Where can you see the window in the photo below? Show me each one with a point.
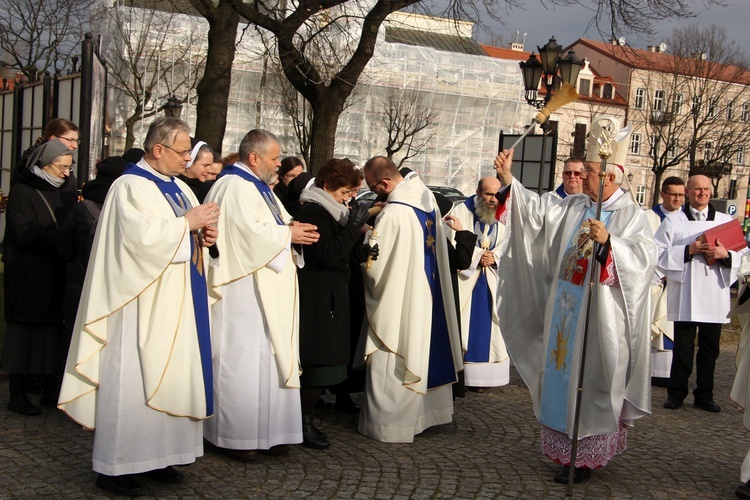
(677, 104)
(730, 110)
(584, 86)
(640, 194)
(635, 144)
(746, 112)
(732, 194)
(708, 150)
(659, 100)
(654, 150)
(741, 156)
(697, 103)
(609, 91)
(712, 108)
(640, 98)
(672, 148)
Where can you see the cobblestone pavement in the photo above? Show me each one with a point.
(490, 450)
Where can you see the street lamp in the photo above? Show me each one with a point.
(172, 108)
(553, 69)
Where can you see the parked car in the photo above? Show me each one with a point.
(451, 193)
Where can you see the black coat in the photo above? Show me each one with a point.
(324, 289)
(34, 272)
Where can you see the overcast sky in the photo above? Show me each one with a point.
(568, 24)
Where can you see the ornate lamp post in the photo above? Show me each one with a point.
(553, 69)
(172, 108)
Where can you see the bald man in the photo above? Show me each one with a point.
(697, 293)
(486, 361)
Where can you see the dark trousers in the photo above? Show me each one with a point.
(705, 360)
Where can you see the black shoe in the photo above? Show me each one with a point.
(244, 456)
(279, 450)
(166, 475)
(707, 406)
(672, 403)
(125, 485)
(22, 405)
(579, 475)
(311, 436)
(743, 491)
(345, 404)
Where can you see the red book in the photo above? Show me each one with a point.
(731, 236)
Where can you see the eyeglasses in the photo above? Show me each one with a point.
(571, 173)
(71, 140)
(372, 188)
(62, 168)
(675, 195)
(181, 154)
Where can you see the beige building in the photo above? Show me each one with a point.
(689, 115)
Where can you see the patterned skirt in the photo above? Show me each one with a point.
(593, 451)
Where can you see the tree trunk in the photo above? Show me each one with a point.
(326, 114)
(213, 90)
(658, 173)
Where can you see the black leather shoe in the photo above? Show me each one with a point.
(241, 455)
(672, 403)
(579, 475)
(743, 491)
(707, 406)
(166, 475)
(23, 406)
(311, 436)
(125, 485)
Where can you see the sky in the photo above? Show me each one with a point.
(540, 20)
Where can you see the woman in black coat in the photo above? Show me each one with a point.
(77, 236)
(34, 273)
(323, 285)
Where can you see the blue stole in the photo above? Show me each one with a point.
(480, 322)
(561, 191)
(440, 370)
(181, 204)
(265, 191)
(657, 209)
(569, 310)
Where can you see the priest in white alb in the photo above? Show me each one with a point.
(412, 346)
(139, 364)
(542, 307)
(699, 276)
(486, 361)
(254, 308)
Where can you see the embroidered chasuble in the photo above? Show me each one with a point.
(542, 281)
(568, 318)
(181, 204)
(441, 370)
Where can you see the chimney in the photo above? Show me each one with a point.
(516, 47)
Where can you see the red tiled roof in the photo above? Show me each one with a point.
(665, 63)
(501, 53)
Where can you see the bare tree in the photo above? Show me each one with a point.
(696, 105)
(409, 121)
(156, 54)
(39, 36)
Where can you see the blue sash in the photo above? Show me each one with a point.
(181, 204)
(265, 191)
(568, 312)
(480, 322)
(440, 369)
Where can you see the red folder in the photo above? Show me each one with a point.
(731, 236)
